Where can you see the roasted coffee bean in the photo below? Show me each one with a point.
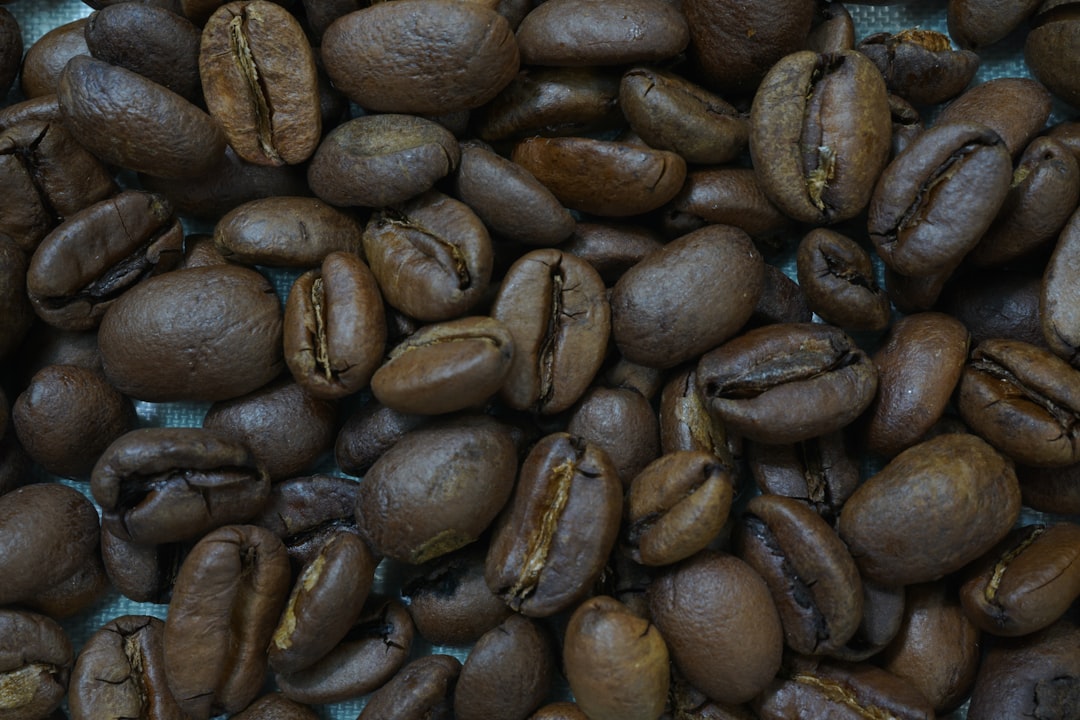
(49, 176)
(837, 277)
(1014, 108)
(44, 108)
(810, 573)
(46, 58)
(260, 82)
(918, 232)
(1059, 301)
(883, 613)
(811, 141)
(611, 249)
(553, 101)
(422, 689)
(325, 603)
(508, 673)
(35, 664)
(449, 600)
(1029, 676)
(1053, 490)
(1023, 400)
(655, 322)
(432, 257)
(437, 489)
(1052, 39)
(842, 692)
(285, 231)
(143, 573)
(551, 542)
(720, 625)
(120, 673)
(286, 430)
(575, 33)
(556, 308)
(360, 161)
(918, 366)
(445, 367)
(820, 472)
(87, 262)
(677, 505)
(687, 424)
(67, 416)
(225, 316)
(228, 597)
(275, 706)
(372, 651)
(305, 511)
(1026, 582)
(997, 304)
(48, 532)
(936, 507)
(368, 433)
(1044, 192)
(907, 124)
(161, 485)
(105, 106)
(334, 327)
(11, 50)
(785, 383)
(622, 423)
(151, 41)
(726, 196)
(976, 24)
(559, 711)
(832, 29)
(919, 65)
(616, 662)
(671, 113)
(423, 56)
(16, 312)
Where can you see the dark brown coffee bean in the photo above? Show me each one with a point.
(151, 41)
(832, 29)
(88, 261)
(44, 108)
(920, 65)
(508, 673)
(842, 692)
(1015, 108)
(671, 113)
(45, 58)
(551, 542)
(997, 304)
(727, 196)
(720, 625)
(325, 603)
(735, 43)
(810, 573)
(425, 56)
(687, 424)
(432, 257)
(1053, 490)
(936, 507)
(677, 505)
(275, 706)
(445, 367)
(918, 367)
(656, 322)
(422, 689)
(1026, 582)
(360, 161)
(372, 651)
(120, 673)
(406, 509)
(334, 327)
(907, 124)
(1023, 400)
(1030, 676)
(285, 231)
(67, 416)
(556, 308)
(1059, 301)
(553, 101)
(623, 424)
(819, 472)
(810, 137)
(976, 24)
(100, 104)
(143, 573)
(883, 613)
(1052, 39)
(228, 597)
(35, 664)
(919, 233)
(160, 485)
(11, 50)
(838, 278)
(48, 176)
(260, 82)
(611, 249)
(47, 533)
(16, 312)
(368, 433)
(304, 511)
(609, 178)
(616, 662)
(785, 383)
(286, 430)
(449, 600)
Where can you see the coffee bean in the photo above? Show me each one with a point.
(285, 231)
(35, 664)
(422, 689)
(838, 278)
(919, 65)
(508, 673)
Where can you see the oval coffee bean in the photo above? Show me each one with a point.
(819, 472)
(35, 664)
(622, 422)
(838, 278)
(260, 82)
(508, 673)
(1052, 39)
(422, 689)
(976, 24)
(285, 231)
(1059, 300)
(919, 65)
(554, 537)
(46, 58)
(1013, 107)
(789, 382)
(936, 507)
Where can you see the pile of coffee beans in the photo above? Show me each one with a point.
(699, 359)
